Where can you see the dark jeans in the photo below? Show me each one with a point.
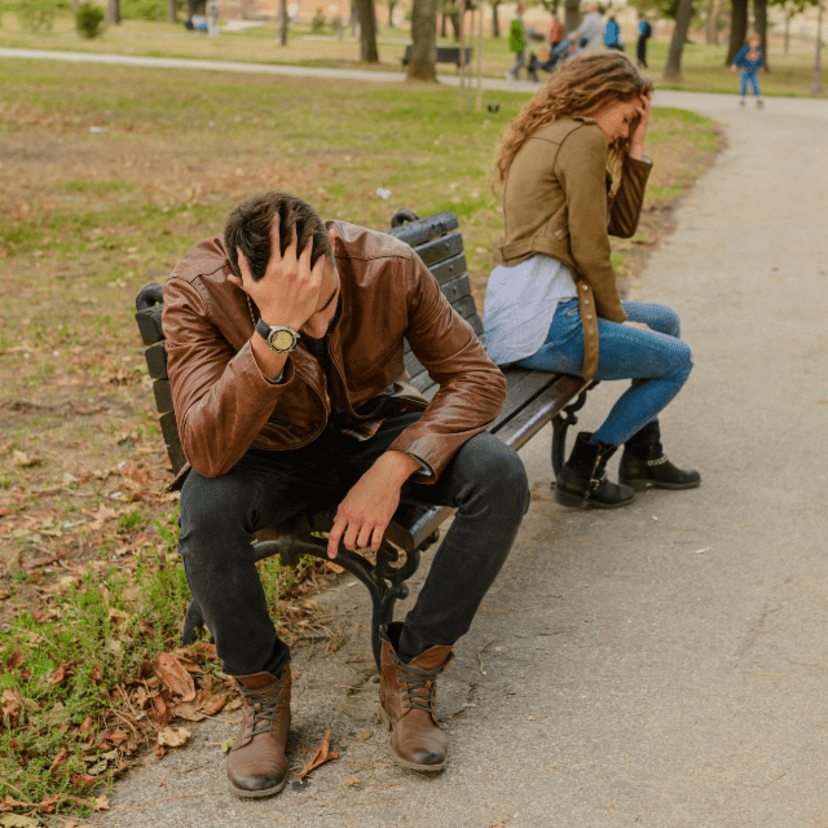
(641, 51)
(485, 481)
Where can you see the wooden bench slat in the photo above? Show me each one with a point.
(163, 395)
(425, 229)
(440, 249)
(449, 269)
(528, 421)
(157, 360)
(522, 386)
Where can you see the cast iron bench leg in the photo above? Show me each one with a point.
(384, 580)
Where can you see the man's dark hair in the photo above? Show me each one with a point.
(249, 225)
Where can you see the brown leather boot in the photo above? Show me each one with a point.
(407, 699)
(257, 765)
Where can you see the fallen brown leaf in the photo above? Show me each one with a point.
(321, 755)
(170, 670)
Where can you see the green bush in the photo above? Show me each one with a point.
(88, 20)
(318, 22)
(36, 15)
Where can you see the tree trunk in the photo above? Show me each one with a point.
(172, 13)
(738, 29)
(816, 83)
(391, 6)
(282, 23)
(672, 71)
(760, 22)
(190, 7)
(423, 41)
(367, 31)
(711, 31)
(113, 12)
(572, 15)
(495, 19)
(787, 30)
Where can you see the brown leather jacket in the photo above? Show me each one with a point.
(556, 200)
(225, 406)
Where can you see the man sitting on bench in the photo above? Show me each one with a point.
(285, 347)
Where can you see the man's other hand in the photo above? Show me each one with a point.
(364, 514)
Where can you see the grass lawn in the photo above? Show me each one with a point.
(108, 174)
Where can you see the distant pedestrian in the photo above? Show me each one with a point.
(517, 43)
(645, 31)
(556, 33)
(749, 62)
(590, 34)
(612, 35)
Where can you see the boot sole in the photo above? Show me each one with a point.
(642, 485)
(578, 502)
(398, 760)
(243, 794)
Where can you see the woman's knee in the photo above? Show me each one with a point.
(683, 361)
(656, 317)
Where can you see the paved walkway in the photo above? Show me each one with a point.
(665, 665)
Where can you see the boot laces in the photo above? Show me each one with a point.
(266, 704)
(418, 694)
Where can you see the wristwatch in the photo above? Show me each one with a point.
(280, 338)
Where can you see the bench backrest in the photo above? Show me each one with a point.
(436, 239)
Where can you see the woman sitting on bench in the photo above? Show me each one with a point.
(573, 171)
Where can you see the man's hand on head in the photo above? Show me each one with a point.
(288, 292)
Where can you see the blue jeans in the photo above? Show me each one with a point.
(655, 358)
(485, 481)
(750, 76)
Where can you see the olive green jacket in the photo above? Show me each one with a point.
(557, 201)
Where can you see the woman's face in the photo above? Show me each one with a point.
(616, 118)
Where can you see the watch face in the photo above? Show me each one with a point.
(282, 341)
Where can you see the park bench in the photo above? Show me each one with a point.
(444, 54)
(534, 399)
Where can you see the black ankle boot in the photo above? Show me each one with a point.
(644, 464)
(582, 483)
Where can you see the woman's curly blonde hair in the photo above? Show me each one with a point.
(584, 85)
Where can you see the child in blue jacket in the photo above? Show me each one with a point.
(749, 61)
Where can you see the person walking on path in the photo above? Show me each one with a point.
(285, 351)
(556, 32)
(645, 30)
(589, 36)
(573, 171)
(612, 35)
(517, 44)
(749, 61)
